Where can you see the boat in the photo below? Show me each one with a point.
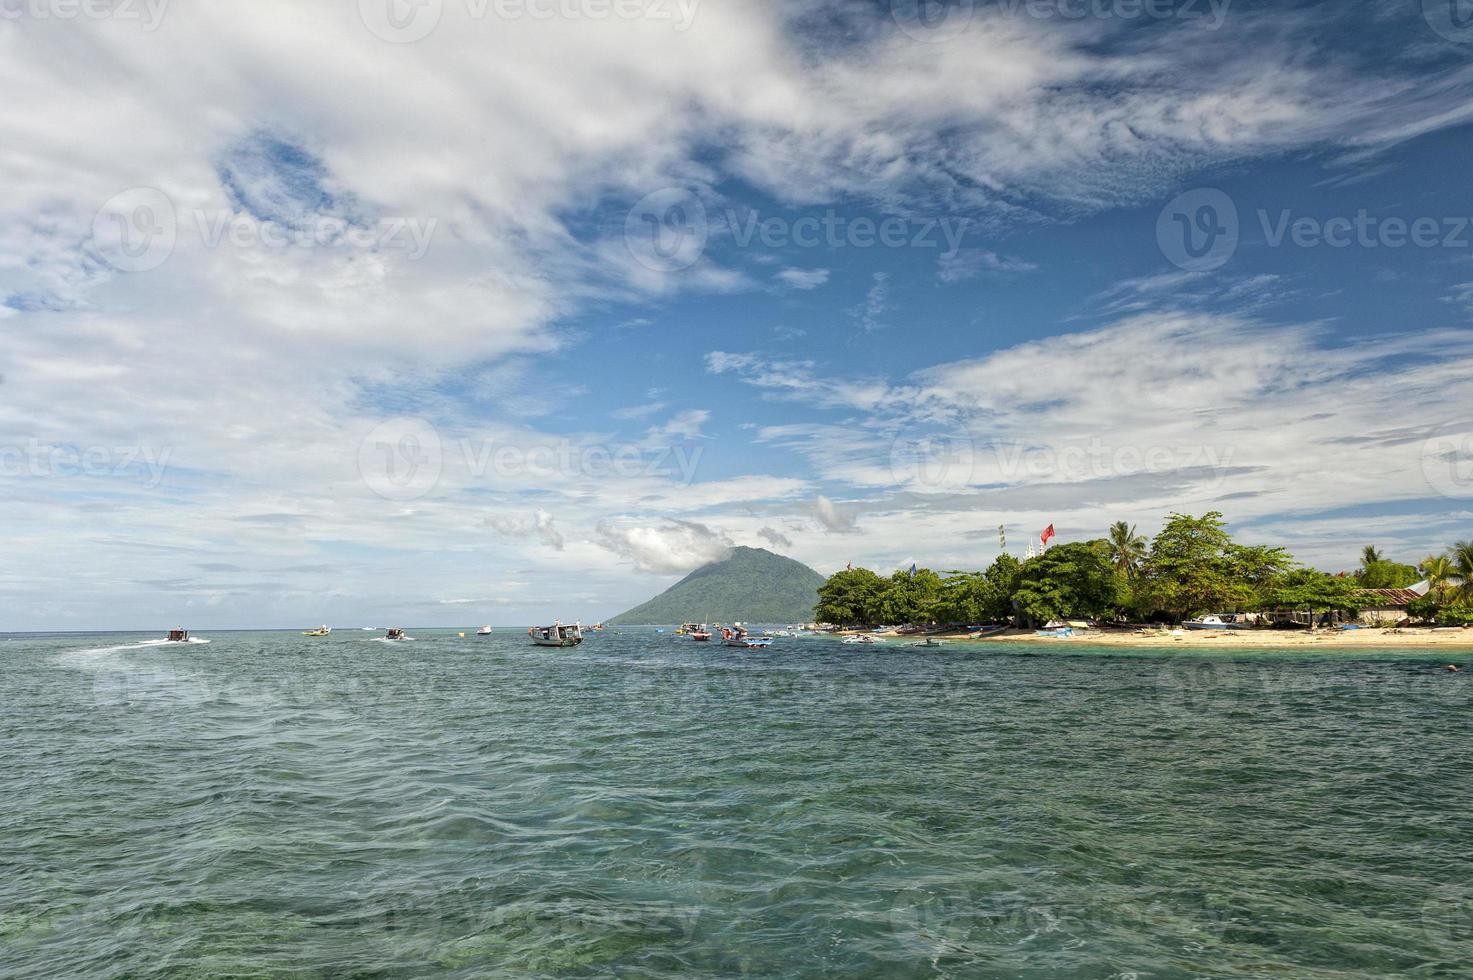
(1214, 623)
(739, 636)
(930, 643)
(395, 633)
(597, 627)
(484, 631)
(862, 638)
(557, 635)
(178, 635)
(319, 631)
(687, 628)
(701, 634)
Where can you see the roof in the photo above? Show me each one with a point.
(1392, 597)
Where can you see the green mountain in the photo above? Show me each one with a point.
(752, 585)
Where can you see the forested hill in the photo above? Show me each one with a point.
(752, 585)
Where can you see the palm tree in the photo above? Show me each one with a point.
(1370, 556)
(1440, 572)
(1461, 556)
(1126, 548)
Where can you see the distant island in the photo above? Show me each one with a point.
(751, 585)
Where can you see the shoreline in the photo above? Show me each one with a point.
(1455, 638)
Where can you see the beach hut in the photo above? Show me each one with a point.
(1389, 605)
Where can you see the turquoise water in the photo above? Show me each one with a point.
(272, 805)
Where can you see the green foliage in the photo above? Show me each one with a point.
(981, 597)
(1441, 575)
(853, 597)
(1190, 571)
(1461, 556)
(1315, 591)
(1068, 580)
(911, 599)
(751, 585)
(1424, 608)
(1377, 572)
(1127, 549)
(1456, 614)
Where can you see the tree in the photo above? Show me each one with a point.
(911, 598)
(1189, 570)
(1461, 556)
(1387, 575)
(1126, 549)
(1068, 580)
(978, 597)
(1369, 556)
(1315, 592)
(855, 596)
(1440, 573)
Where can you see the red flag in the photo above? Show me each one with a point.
(1047, 535)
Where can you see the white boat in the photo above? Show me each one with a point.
(863, 638)
(1213, 623)
(557, 635)
(484, 631)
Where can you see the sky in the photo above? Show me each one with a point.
(449, 312)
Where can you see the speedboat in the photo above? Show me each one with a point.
(863, 638)
(484, 631)
(178, 635)
(319, 631)
(557, 635)
(701, 634)
(1213, 623)
(395, 633)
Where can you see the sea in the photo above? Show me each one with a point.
(266, 804)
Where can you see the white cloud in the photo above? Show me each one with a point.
(803, 278)
(666, 547)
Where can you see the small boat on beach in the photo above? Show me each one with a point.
(319, 631)
(557, 635)
(1214, 623)
(178, 635)
(484, 631)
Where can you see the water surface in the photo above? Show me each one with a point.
(273, 805)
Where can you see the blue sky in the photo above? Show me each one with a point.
(446, 313)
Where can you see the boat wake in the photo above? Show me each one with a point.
(117, 681)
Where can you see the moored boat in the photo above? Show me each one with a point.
(557, 635)
(738, 636)
(1214, 623)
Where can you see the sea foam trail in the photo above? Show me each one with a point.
(115, 679)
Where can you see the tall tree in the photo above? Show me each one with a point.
(1126, 549)
(1440, 573)
(1369, 556)
(1189, 570)
(1461, 555)
(1315, 592)
(1074, 579)
(853, 597)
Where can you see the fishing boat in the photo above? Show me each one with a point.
(1214, 623)
(319, 631)
(484, 631)
(557, 635)
(738, 636)
(178, 635)
(701, 634)
(395, 633)
(687, 628)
